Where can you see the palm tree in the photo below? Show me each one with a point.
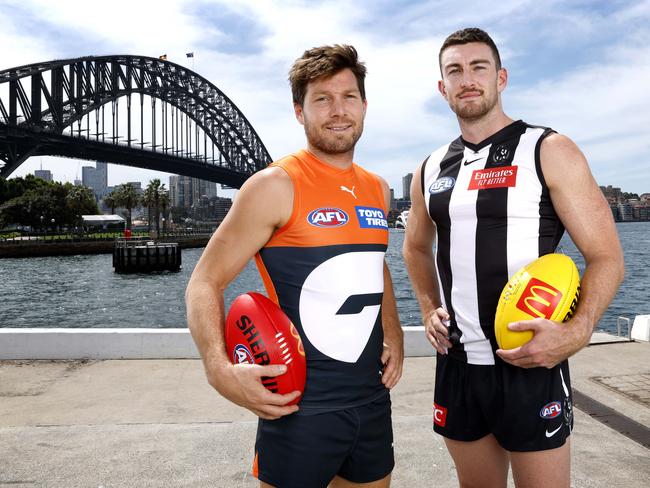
(110, 201)
(152, 200)
(126, 197)
(148, 200)
(164, 204)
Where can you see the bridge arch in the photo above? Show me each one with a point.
(41, 103)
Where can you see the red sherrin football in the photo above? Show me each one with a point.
(259, 332)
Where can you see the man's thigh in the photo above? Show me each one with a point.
(339, 482)
(538, 469)
(479, 464)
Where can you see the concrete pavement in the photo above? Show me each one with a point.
(157, 423)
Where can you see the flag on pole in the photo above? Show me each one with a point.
(163, 57)
(189, 55)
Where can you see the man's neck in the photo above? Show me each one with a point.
(341, 161)
(477, 130)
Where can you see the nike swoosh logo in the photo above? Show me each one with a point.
(551, 434)
(470, 162)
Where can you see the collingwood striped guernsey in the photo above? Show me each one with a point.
(493, 215)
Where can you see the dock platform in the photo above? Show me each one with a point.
(157, 423)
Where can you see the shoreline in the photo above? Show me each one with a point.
(43, 248)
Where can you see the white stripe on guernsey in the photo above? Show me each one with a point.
(523, 201)
(462, 208)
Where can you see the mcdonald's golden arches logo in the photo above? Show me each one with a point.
(539, 299)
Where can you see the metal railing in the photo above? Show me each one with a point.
(619, 322)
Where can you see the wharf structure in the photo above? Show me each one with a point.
(141, 256)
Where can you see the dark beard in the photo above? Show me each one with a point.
(475, 112)
(333, 145)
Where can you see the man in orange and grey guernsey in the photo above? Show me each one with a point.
(494, 199)
(316, 224)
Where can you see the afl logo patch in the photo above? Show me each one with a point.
(327, 217)
(550, 410)
(241, 355)
(442, 184)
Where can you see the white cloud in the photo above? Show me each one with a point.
(579, 67)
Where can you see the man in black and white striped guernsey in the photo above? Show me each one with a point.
(495, 199)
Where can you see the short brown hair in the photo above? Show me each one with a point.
(325, 61)
(465, 36)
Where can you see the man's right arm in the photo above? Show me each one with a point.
(263, 204)
(421, 267)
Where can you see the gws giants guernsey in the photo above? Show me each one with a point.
(325, 269)
(493, 215)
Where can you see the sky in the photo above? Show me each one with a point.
(580, 67)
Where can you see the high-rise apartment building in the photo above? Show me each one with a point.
(185, 191)
(96, 178)
(406, 186)
(44, 174)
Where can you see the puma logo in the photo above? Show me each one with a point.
(351, 192)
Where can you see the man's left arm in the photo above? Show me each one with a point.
(392, 356)
(583, 210)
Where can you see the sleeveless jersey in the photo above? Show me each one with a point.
(324, 268)
(493, 215)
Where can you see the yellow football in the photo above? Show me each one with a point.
(549, 287)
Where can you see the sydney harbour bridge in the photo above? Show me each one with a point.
(130, 110)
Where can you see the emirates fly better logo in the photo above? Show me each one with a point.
(504, 177)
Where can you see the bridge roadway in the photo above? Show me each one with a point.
(157, 423)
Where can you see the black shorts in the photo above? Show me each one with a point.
(525, 409)
(308, 451)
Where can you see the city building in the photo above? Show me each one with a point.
(406, 186)
(185, 191)
(612, 194)
(137, 185)
(96, 178)
(402, 204)
(210, 209)
(640, 212)
(44, 174)
(625, 212)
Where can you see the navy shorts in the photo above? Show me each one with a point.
(308, 451)
(525, 409)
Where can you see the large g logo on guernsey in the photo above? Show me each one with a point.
(340, 302)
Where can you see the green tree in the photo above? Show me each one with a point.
(35, 209)
(110, 201)
(41, 204)
(80, 201)
(127, 198)
(164, 205)
(16, 187)
(151, 199)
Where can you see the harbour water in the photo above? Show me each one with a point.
(83, 291)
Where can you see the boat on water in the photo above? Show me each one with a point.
(402, 219)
